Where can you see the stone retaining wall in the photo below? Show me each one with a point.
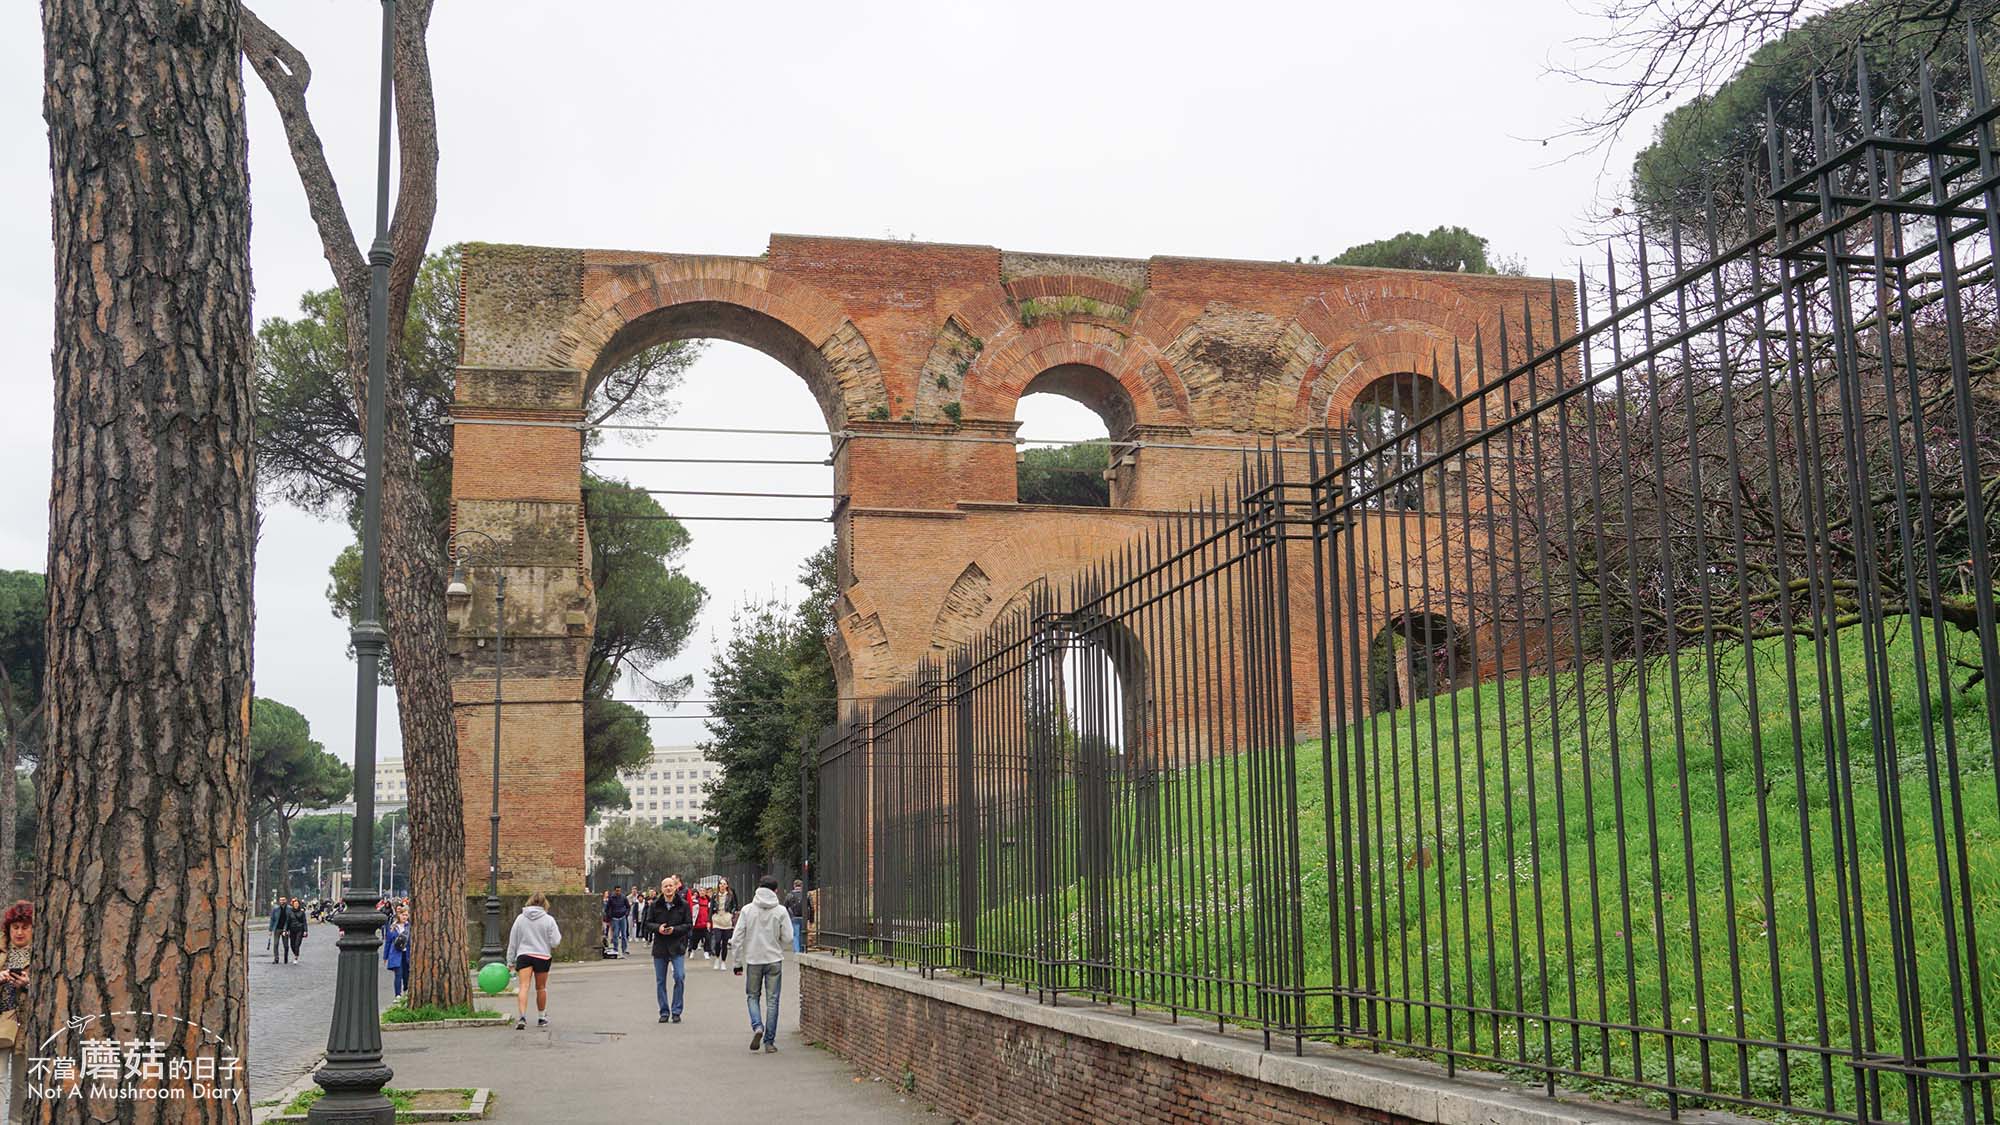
(579, 917)
(980, 1054)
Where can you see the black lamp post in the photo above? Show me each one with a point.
(468, 549)
(354, 1073)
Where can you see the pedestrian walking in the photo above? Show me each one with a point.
(531, 949)
(396, 949)
(274, 934)
(295, 927)
(762, 931)
(19, 925)
(619, 910)
(669, 922)
(722, 923)
(700, 907)
(799, 905)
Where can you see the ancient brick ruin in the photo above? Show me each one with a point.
(910, 349)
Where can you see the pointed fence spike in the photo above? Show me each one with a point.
(1927, 99)
(1865, 111)
(1775, 164)
(1645, 267)
(1611, 284)
(1981, 96)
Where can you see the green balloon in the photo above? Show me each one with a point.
(493, 978)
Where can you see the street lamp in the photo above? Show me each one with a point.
(354, 1073)
(470, 549)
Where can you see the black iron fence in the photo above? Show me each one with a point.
(1621, 713)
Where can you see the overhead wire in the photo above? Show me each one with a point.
(847, 435)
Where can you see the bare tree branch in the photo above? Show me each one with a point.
(286, 74)
(417, 153)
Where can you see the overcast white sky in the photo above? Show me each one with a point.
(1247, 130)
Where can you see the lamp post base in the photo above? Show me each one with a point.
(493, 952)
(354, 1073)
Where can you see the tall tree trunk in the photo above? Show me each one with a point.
(145, 784)
(284, 855)
(10, 766)
(412, 543)
(413, 608)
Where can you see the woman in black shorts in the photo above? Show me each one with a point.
(530, 947)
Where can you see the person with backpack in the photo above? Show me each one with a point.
(531, 949)
(762, 932)
(799, 905)
(396, 949)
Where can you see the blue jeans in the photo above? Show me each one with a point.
(798, 935)
(764, 980)
(679, 963)
(621, 933)
(402, 975)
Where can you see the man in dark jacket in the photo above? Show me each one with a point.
(669, 923)
(619, 912)
(281, 948)
(799, 905)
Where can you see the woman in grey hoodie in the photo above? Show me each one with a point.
(531, 946)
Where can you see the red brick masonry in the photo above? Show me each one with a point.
(979, 1054)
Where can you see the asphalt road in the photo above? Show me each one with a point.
(290, 1009)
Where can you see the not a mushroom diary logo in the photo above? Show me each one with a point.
(115, 1056)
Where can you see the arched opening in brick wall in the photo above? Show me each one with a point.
(1105, 688)
(1416, 656)
(718, 320)
(753, 373)
(1070, 414)
(1389, 433)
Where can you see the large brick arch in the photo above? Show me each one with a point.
(627, 308)
(918, 354)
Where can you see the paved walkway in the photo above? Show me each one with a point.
(605, 1055)
(291, 1008)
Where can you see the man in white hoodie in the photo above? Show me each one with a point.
(531, 946)
(763, 931)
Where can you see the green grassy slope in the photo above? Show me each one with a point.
(1552, 844)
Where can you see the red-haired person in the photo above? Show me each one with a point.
(19, 922)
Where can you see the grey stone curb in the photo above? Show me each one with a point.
(287, 1095)
(474, 1108)
(1410, 1088)
(269, 1113)
(432, 1025)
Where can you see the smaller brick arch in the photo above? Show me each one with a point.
(1018, 357)
(1415, 656)
(963, 610)
(1092, 387)
(1384, 326)
(1344, 376)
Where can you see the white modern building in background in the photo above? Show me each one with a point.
(672, 785)
(392, 787)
